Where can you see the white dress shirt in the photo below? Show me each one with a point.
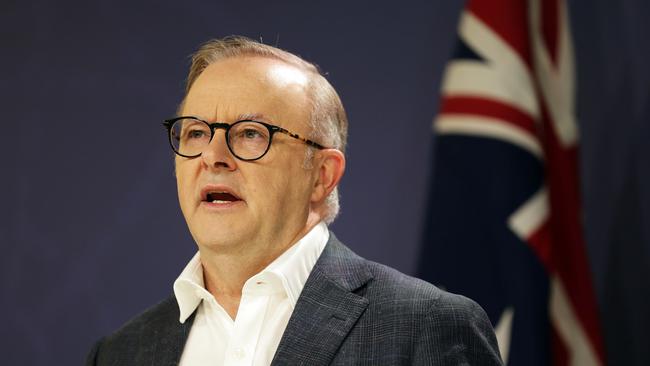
(267, 301)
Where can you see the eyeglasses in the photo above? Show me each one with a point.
(247, 140)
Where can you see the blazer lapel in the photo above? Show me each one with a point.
(326, 309)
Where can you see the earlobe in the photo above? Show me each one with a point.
(329, 173)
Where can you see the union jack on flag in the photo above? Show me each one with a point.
(504, 219)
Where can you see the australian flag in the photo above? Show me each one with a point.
(504, 217)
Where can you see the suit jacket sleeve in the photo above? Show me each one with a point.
(456, 331)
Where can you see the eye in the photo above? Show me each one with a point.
(250, 133)
(195, 131)
(195, 134)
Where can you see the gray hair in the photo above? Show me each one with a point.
(328, 121)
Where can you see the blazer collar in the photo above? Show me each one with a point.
(327, 308)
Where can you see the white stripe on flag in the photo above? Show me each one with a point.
(569, 328)
(503, 331)
(557, 84)
(487, 127)
(531, 215)
(504, 76)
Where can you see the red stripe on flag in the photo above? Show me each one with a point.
(508, 18)
(569, 255)
(486, 107)
(550, 27)
(560, 352)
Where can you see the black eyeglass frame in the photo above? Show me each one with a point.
(169, 123)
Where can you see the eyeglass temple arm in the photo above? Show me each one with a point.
(296, 136)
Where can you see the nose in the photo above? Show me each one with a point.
(217, 155)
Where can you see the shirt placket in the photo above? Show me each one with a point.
(248, 325)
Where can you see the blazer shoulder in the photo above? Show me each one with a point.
(395, 284)
(461, 327)
(450, 327)
(390, 285)
(139, 337)
(383, 284)
(376, 281)
(163, 312)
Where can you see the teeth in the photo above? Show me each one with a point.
(219, 201)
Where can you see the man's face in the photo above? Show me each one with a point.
(266, 202)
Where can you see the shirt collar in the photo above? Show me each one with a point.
(292, 268)
(294, 265)
(189, 288)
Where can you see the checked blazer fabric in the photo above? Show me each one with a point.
(350, 312)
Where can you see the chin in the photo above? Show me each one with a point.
(221, 234)
(210, 227)
(216, 241)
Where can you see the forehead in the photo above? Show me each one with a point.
(240, 86)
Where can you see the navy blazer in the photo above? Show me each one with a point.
(350, 312)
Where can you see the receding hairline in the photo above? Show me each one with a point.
(310, 70)
(240, 46)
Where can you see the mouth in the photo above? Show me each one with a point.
(219, 197)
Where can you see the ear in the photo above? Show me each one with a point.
(329, 171)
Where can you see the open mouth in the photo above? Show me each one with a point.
(220, 197)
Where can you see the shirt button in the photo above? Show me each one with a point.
(239, 353)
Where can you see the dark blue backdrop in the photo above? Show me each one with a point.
(91, 230)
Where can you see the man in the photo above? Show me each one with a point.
(259, 144)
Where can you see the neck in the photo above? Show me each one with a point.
(226, 272)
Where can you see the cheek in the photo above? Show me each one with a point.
(184, 181)
(290, 189)
(263, 188)
(271, 188)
